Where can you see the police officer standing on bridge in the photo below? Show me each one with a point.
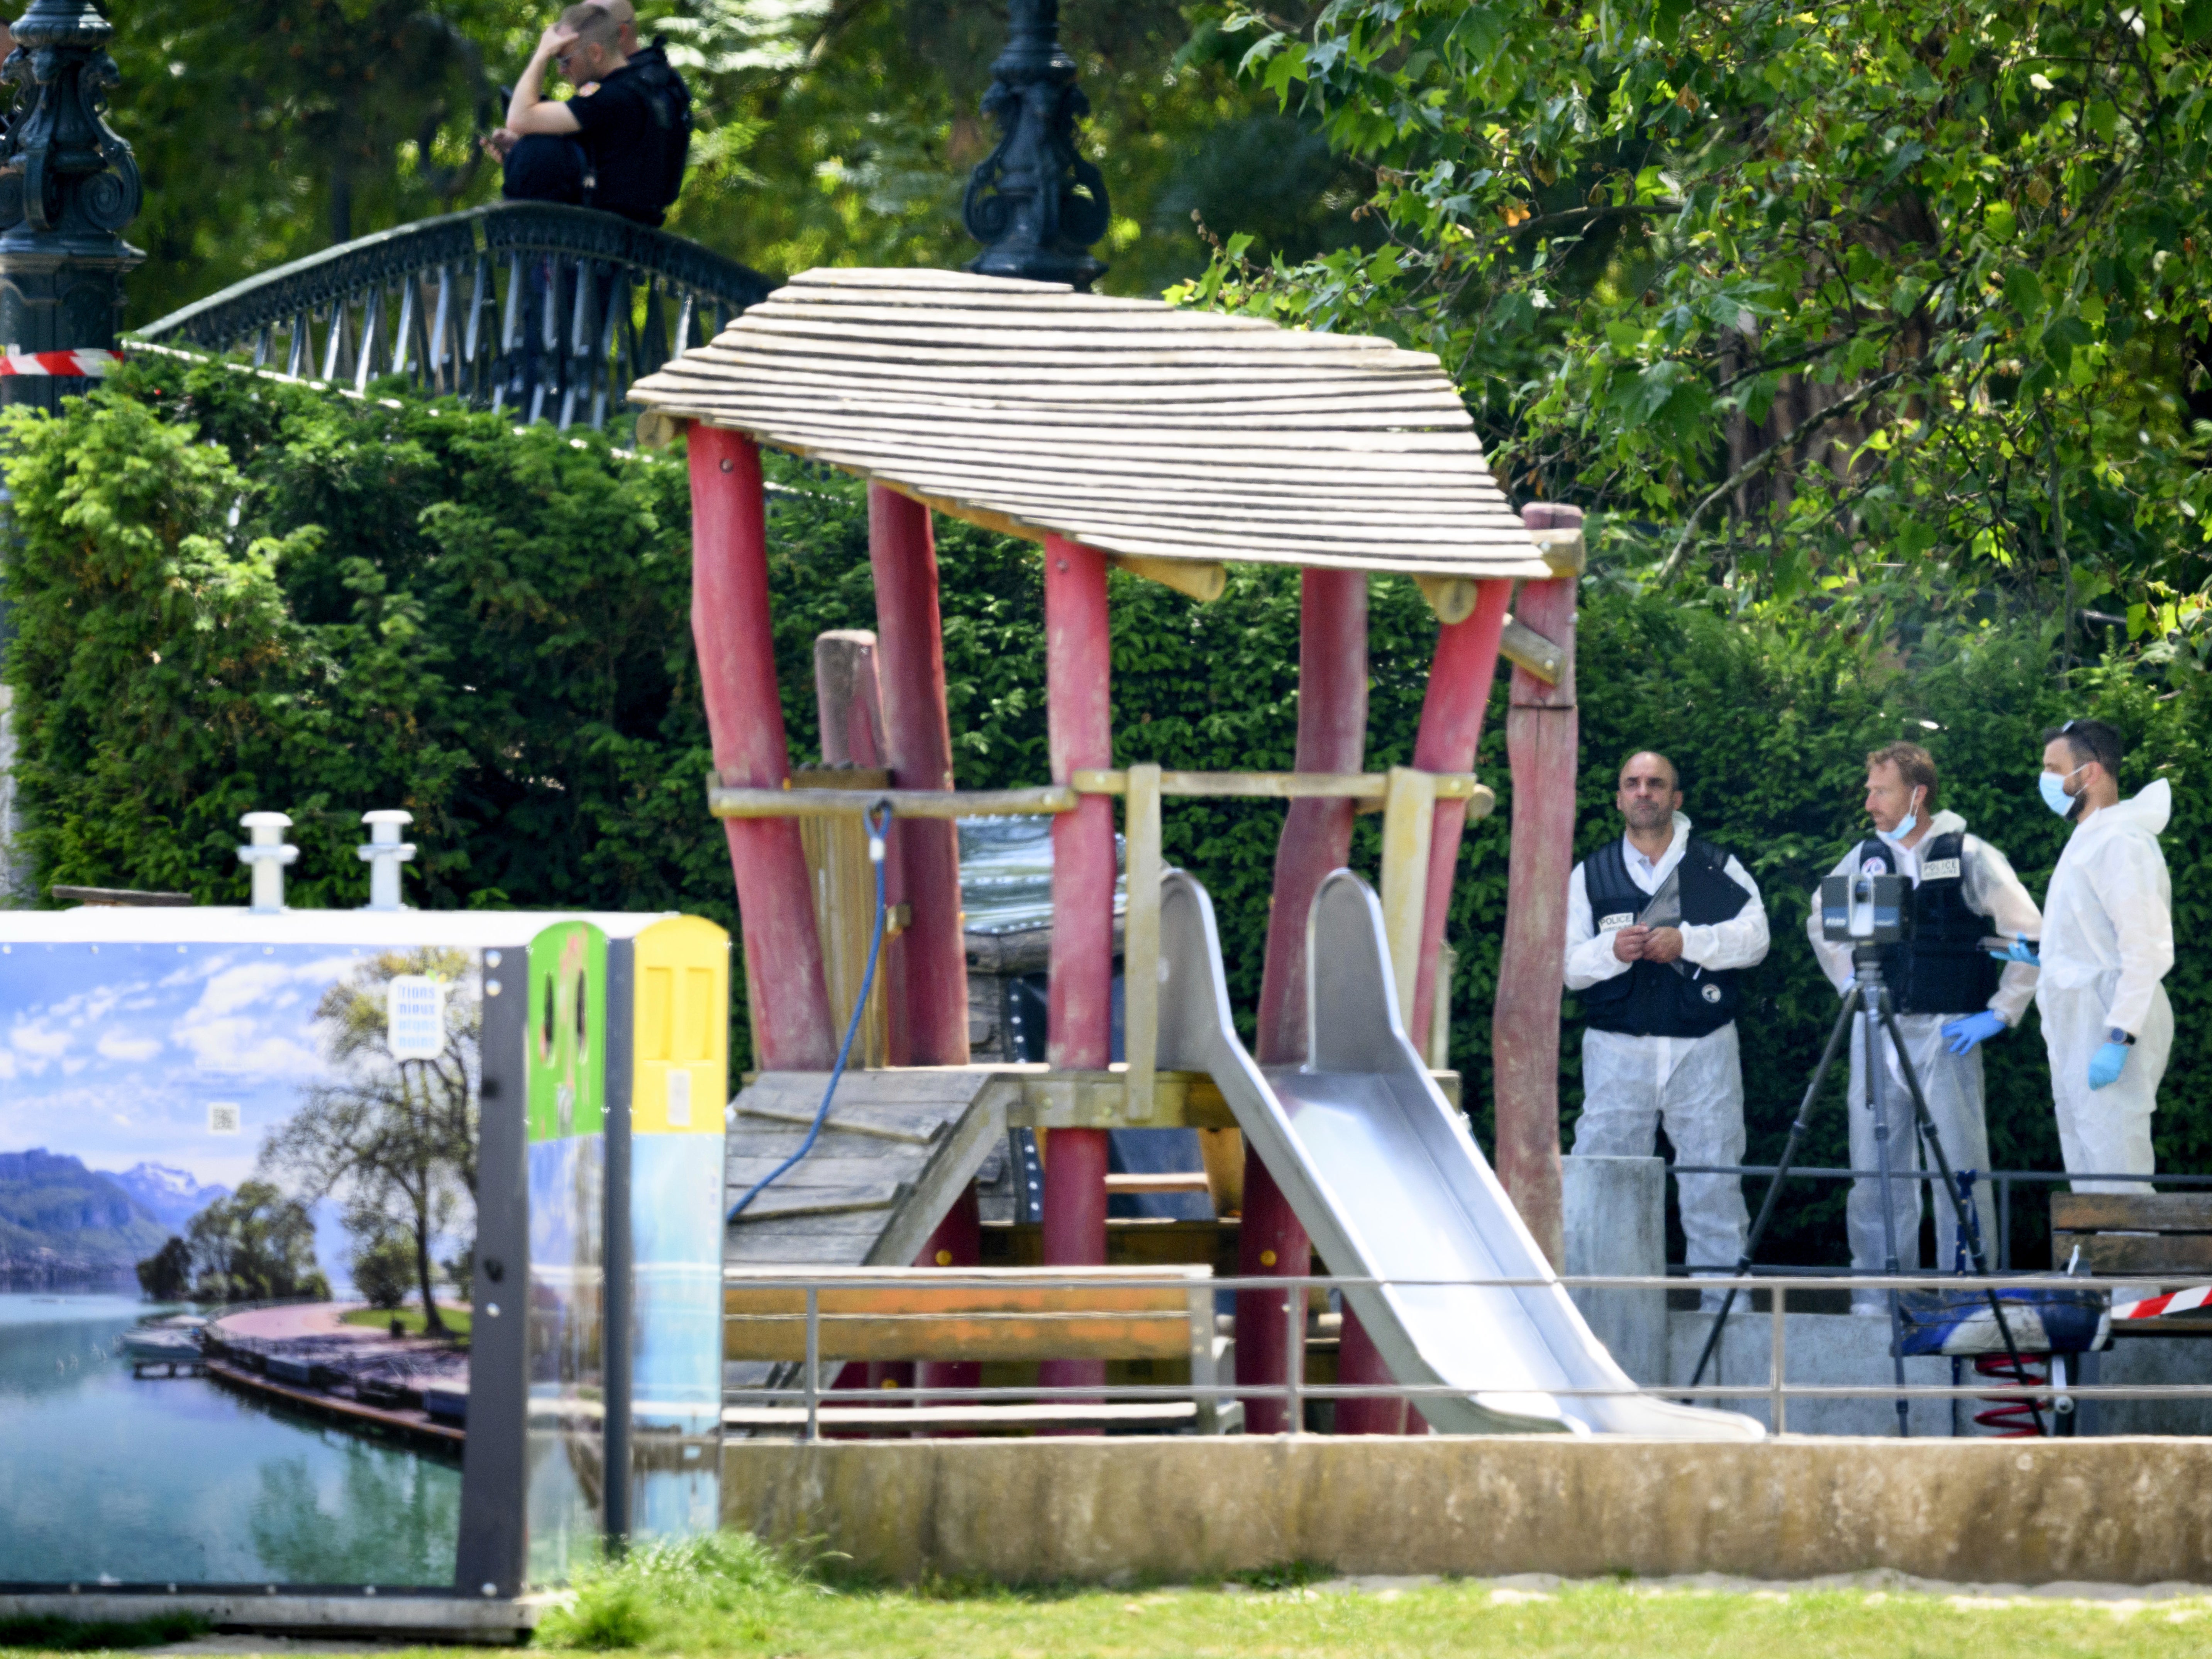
(1949, 996)
(1659, 924)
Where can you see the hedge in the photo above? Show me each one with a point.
(232, 592)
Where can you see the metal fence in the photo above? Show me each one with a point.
(809, 1388)
(2002, 1180)
(549, 311)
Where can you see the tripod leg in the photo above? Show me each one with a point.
(1774, 1187)
(1926, 1121)
(1876, 1002)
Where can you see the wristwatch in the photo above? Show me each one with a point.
(2116, 1034)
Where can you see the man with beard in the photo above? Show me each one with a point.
(1659, 925)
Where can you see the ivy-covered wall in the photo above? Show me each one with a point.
(232, 593)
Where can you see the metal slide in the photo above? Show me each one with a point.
(1388, 1183)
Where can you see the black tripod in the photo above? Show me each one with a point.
(1873, 1000)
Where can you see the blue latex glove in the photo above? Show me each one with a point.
(2104, 1066)
(2022, 951)
(1965, 1034)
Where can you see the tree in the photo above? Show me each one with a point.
(257, 1245)
(269, 129)
(384, 1268)
(1803, 295)
(167, 1275)
(396, 1139)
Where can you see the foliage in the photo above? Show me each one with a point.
(726, 1579)
(267, 130)
(167, 1275)
(521, 603)
(845, 130)
(831, 131)
(458, 1320)
(257, 1245)
(686, 1600)
(45, 1633)
(396, 1137)
(384, 1269)
(1899, 306)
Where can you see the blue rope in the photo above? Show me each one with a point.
(879, 821)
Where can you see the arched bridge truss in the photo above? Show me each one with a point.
(546, 310)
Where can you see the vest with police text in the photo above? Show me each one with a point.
(1941, 968)
(1675, 998)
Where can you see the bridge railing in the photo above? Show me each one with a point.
(548, 311)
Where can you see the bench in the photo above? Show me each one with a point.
(2159, 1235)
(988, 1313)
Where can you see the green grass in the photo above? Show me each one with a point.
(731, 1595)
(457, 1319)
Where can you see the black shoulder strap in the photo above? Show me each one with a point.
(1873, 847)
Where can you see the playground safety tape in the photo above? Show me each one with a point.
(86, 363)
(2172, 1302)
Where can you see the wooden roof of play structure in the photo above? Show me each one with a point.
(1142, 431)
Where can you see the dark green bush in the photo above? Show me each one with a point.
(234, 593)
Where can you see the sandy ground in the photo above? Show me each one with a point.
(296, 1319)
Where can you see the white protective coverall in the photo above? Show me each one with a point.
(1952, 1082)
(2107, 942)
(1630, 1085)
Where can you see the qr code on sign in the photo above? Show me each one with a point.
(223, 1117)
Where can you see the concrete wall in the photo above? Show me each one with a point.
(2122, 1512)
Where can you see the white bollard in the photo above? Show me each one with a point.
(266, 858)
(384, 854)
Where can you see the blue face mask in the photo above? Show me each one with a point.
(2054, 792)
(1904, 825)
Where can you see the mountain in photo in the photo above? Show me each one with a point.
(58, 1217)
(172, 1196)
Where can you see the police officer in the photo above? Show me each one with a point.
(1949, 996)
(1659, 924)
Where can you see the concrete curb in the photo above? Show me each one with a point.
(444, 1619)
(2113, 1512)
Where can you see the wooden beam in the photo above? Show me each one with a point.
(1140, 948)
(1524, 648)
(1452, 597)
(1200, 579)
(728, 803)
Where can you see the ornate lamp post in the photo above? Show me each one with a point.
(1034, 202)
(67, 186)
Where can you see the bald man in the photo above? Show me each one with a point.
(1659, 925)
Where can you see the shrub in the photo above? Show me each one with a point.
(383, 1270)
(234, 593)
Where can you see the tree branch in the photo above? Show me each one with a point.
(1767, 458)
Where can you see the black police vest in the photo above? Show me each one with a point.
(1941, 968)
(1675, 998)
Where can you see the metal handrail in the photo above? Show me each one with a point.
(551, 310)
(1294, 1390)
(2002, 1180)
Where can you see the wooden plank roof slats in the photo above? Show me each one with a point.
(1129, 425)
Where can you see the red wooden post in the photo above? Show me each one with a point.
(745, 722)
(958, 1243)
(910, 654)
(1357, 1361)
(1079, 664)
(1542, 733)
(1460, 678)
(851, 711)
(1316, 839)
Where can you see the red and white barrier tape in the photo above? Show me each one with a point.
(2172, 1302)
(86, 363)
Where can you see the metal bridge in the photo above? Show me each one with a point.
(547, 310)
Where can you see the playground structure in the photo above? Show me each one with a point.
(1125, 432)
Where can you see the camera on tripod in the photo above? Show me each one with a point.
(1866, 910)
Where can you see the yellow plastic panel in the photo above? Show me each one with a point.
(683, 980)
